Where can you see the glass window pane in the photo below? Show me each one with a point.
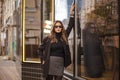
(79, 50)
(32, 29)
(102, 15)
(47, 16)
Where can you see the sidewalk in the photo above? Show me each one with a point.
(8, 69)
(3, 58)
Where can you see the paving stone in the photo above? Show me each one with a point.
(8, 70)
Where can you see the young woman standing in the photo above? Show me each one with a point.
(55, 49)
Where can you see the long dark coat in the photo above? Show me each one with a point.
(44, 50)
(93, 56)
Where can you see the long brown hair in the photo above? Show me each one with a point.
(63, 33)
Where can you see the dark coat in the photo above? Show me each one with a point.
(44, 50)
(93, 56)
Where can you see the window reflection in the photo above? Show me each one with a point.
(104, 14)
(47, 16)
(38, 22)
(32, 29)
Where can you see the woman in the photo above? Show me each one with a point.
(93, 57)
(55, 50)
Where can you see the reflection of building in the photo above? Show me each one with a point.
(86, 8)
(32, 26)
(105, 16)
(47, 27)
(1, 41)
(9, 26)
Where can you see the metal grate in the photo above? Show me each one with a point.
(31, 71)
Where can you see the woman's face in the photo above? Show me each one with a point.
(58, 27)
(92, 30)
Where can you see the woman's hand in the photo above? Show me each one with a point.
(72, 9)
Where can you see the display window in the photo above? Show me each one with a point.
(37, 21)
(93, 41)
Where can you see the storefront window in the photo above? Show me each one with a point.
(37, 22)
(104, 16)
(48, 16)
(31, 29)
(79, 48)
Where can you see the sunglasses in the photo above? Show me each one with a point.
(58, 26)
(93, 27)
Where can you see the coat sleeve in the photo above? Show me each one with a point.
(85, 44)
(42, 47)
(84, 37)
(71, 24)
